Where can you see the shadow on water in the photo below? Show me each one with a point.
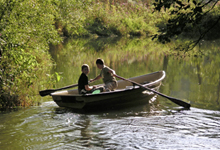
(116, 109)
(124, 106)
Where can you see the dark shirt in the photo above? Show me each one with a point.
(83, 80)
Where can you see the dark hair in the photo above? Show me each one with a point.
(85, 66)
(100, 61)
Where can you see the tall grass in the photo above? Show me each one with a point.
(115, 18)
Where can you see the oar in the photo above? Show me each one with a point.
(49, 91)
(175, 100)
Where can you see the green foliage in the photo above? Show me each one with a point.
(83, 18)
(72, 17)
(187, 17)
(26, 27)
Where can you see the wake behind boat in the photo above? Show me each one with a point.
(125, 93)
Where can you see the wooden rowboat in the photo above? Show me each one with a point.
(125, 93)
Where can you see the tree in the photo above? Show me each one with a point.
(187, 16)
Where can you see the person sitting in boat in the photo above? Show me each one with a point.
(83, 84)
(107, 74)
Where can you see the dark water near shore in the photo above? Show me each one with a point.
(159, 124)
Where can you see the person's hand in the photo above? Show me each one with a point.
(91, 80)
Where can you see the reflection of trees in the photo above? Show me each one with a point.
(199, 76)
(195, 78)
(100, 44)
(165, 63)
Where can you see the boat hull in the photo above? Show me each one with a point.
(119, 97)
(104, 100)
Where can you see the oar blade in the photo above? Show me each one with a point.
(46, 92)
(49, 91)
(179, 102)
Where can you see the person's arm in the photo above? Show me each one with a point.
(96, 78)
(88, 88)
(112, 72)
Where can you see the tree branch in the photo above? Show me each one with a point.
(204, 33)
(211, 7)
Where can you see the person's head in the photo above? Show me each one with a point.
(85, 68)
(100, 63)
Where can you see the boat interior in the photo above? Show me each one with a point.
(150, 80)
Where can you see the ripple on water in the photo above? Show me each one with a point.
(50, 127)
(187, 130)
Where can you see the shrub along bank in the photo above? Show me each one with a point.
(26, 29)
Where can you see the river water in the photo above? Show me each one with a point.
(159, 124)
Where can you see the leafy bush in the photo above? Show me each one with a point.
(25, 33)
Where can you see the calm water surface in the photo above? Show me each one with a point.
(159, 124)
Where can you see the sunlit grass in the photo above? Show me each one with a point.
(108, 19)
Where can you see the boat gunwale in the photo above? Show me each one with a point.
(118, 90)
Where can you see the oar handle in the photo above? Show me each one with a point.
(136, 83)
(49, 91)
(67, 87)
